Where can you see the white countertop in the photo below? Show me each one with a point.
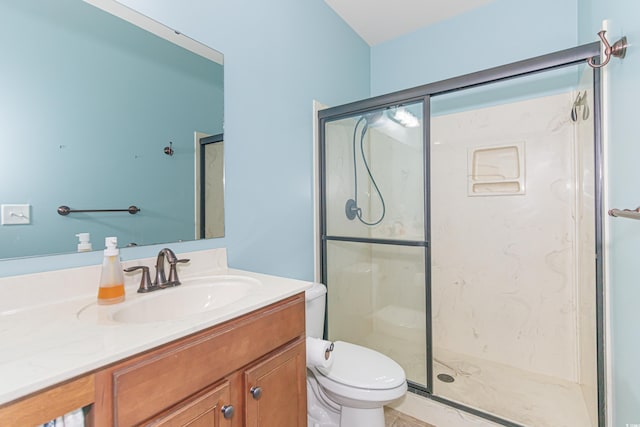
(47, 342)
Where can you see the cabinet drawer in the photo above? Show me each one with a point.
(150, 384)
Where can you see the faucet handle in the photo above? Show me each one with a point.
(173, 271)
(145, 280)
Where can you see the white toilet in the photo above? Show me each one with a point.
(352, 391)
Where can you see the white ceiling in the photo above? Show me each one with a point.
(377, 21)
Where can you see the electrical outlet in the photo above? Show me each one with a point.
(15, 214)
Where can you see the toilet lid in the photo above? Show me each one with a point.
(361, 367)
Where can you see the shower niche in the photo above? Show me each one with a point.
(461, 244)
(497, 170)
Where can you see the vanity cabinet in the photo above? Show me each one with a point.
(191, 380)
(277, 389)
(208, 379)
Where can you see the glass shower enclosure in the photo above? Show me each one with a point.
(460, 232)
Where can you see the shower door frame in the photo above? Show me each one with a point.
(560, 59)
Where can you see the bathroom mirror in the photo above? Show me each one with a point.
(101, 114)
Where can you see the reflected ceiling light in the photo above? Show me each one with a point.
(405, 118)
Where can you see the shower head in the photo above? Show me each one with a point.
(373, 117)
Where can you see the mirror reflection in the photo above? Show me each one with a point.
(98, 113)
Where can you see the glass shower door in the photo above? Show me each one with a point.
(513, 275)
(374, 244)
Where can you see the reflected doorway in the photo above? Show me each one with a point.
(209, 186)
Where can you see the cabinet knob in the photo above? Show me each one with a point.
(227, 411)
(256, 392)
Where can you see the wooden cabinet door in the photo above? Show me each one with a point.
(276, 389)
(206, 409)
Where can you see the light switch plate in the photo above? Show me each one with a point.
(15, 214)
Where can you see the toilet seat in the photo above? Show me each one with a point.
(361, 367)
(353, 369)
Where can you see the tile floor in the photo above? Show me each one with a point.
(395, 418)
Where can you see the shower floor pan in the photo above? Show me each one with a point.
(523, 397)
(520, 396)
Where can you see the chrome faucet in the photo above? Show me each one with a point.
(161, 281)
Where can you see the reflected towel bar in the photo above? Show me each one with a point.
(625, 213)
(66, 210)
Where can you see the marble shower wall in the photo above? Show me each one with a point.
(504, 276)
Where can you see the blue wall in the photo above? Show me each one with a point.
(504, 31)
(89, 103)
(624, 192)
(279, 56)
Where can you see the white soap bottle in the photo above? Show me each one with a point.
(84, 245)
(112, 278)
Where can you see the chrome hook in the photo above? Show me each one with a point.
(619, 49)
(581, 101)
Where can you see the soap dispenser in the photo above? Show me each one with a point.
(111, 279)
(84, 245)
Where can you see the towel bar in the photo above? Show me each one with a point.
(66, 210)
(625, 213)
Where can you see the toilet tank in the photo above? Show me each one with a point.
(314, 309)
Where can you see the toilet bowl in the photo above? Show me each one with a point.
(352, 391)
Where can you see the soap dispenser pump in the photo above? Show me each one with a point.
(84, 245)
(111, 279)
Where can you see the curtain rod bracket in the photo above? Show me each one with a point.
(619, 50)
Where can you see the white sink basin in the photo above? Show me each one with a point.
(192, 297)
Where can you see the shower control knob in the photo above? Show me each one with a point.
(256, 392)
(227, 411)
